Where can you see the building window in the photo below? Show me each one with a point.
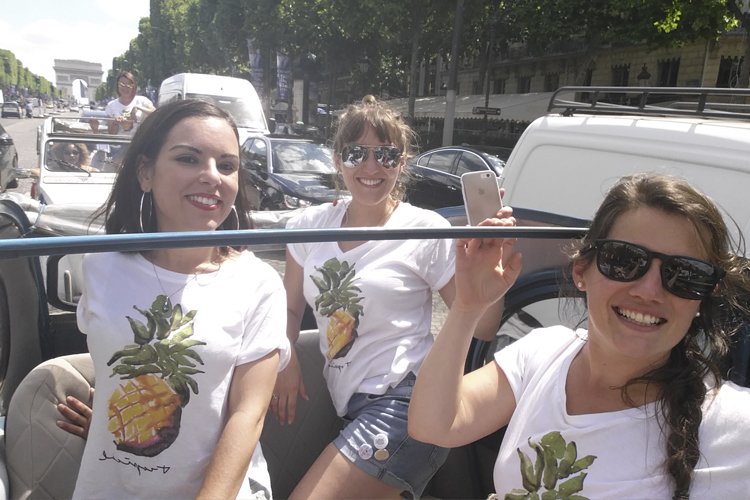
(620, 75)
(523, 85)
(667, 70)
(551, 82)
(729, 71)
(498, 86)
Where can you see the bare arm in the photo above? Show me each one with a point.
(488, 324)
(289, 382)
(449, 408)
(248, 400)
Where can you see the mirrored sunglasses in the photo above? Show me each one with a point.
(386, 156)
(685, 277)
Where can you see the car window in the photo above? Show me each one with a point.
(244, 111)
(257, 152)
(92, 157)
(470, 162)
(441, 160)
(301, 157)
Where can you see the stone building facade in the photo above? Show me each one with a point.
(699, 64)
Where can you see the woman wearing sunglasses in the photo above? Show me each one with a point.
(128, 109)
(633, 407)
(373, 303)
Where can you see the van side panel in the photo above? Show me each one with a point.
(565, 165)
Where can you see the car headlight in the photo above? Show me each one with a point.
(294, 202)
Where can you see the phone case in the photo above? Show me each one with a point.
(481, 195)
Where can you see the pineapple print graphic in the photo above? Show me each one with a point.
(145, 410)
(557, 472)
(339, 302)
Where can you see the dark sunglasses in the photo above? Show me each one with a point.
(685, 277)
(387, 156)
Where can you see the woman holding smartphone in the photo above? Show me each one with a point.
(635, 406)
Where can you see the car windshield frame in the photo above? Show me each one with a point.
(245, 112)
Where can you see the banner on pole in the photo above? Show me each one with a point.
(256, 66)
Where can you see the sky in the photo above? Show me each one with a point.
(40, 31)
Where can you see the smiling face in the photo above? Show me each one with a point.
(125, 88)
(369, 183)
(640, 320)
(194, 179)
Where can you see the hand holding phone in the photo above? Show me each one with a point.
(481, 195)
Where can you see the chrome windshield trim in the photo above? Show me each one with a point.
(62, 245)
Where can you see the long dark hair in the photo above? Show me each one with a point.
(123, 212)
(702, 353)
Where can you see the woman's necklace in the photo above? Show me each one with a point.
(193, 277)
(381, 222)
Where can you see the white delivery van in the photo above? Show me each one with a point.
(566, 161)
(235, 95)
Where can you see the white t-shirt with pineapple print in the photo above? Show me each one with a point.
(164, 367)
(373, 304)
(617, 454)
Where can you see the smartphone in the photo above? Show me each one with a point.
(481, 195)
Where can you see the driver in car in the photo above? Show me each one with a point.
(70, 156)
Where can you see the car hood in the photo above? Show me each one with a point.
(76, 188)
(311, 185)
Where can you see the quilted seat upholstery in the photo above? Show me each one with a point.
(42, 459)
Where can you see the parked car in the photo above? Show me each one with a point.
(8, 161)
(283, 173)
(436, 174)
(11, 108)
(78, 163)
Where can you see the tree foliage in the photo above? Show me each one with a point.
(330, 38)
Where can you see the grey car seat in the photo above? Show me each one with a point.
(43, 460)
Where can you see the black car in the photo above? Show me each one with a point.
(283, 173)
(11, 108)
(436, 174)
(8, 161)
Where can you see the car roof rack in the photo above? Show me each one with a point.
(663, 101)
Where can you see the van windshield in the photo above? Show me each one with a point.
(246, 112)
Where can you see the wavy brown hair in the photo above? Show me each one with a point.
(702, 354)
(388, 125)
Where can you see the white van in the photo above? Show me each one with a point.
(235, 95)
(566, 161)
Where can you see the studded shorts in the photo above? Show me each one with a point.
(376, 440)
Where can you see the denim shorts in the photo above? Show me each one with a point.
(376, 440)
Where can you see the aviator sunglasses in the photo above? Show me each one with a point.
(386, 156)
(685, 277)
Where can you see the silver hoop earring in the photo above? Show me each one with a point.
(141, 225)
(236, 218)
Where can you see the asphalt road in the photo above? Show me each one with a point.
(23, 132)
(24, 135)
